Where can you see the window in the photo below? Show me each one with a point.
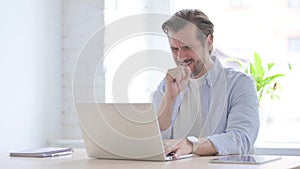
(238, 3)
(294, 3)
(294, 44)
(124, 59)
(241, 32)
(238, 33)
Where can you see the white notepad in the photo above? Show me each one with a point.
(43, 152)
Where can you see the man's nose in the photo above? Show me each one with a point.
(181, 55)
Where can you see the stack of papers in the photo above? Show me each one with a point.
(43, 152)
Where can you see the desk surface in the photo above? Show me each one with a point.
(80, 160)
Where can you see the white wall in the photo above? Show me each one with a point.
(30, 73)
(80, 20)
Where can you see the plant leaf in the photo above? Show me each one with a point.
(252, 71)
(290, 66)
(270, 65)
(258, 65)
(270, 79)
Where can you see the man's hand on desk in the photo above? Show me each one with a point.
(178, 146)
(183, 147)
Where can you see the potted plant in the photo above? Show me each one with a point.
(266, 83)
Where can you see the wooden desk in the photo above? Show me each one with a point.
(79, 160)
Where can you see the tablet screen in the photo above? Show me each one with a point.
(245, 159)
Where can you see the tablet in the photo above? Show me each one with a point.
(245, 159)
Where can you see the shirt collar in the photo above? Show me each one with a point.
(213, 72)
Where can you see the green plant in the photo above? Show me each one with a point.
(265, 82)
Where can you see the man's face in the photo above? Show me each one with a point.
(187, 50)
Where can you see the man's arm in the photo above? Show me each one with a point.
(241, 124)
(176, 80)
(242, 118)
(182, 146)
(205, 147)
(165, 112)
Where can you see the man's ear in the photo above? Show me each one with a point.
(209, 42)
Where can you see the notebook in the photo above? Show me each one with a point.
(42, 152)
(121, 131)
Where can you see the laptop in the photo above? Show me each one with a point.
(121, 131)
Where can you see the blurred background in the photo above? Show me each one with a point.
(40, 42)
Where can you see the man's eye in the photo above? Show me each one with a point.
(173, 49)
(187, 47)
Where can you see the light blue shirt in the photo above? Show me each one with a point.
(237, 128)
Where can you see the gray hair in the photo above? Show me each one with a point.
(194, 16)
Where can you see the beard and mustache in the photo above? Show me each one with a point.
(197, 68)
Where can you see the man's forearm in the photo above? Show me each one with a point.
(205, 147)
(165, 113)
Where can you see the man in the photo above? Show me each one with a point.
(203, 108)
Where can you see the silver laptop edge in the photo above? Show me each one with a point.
(121, 131)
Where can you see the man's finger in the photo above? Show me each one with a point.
(178, 154)
(169, 147)
(174, 75)
(182, 71)
(188, 71)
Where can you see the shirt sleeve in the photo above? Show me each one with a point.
(156, 99)
(242, 119)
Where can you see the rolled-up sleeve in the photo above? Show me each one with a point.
(242, 118)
